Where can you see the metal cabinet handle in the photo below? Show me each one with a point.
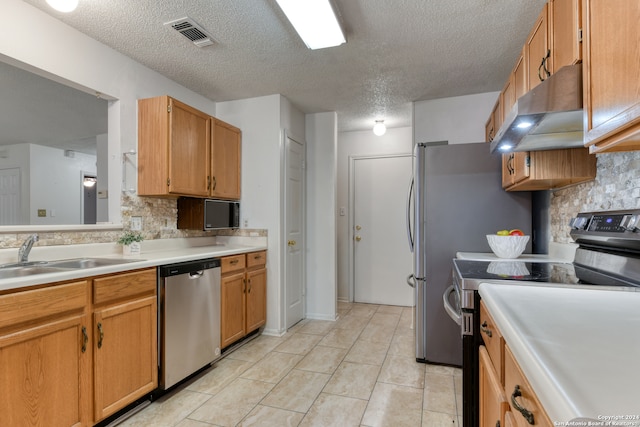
(289, 243)
(527, 414)
(234, 261)
(486, 330)
(215, 184)
(411, 280)
(543, 67)
(101, 336)
(498, 423)
(208, 182)
(244, 287)
(249, 291)
(85, 339)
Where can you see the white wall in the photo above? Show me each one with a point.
(51, 48)
(263, 121)
(395, 141)
(56, 185)
(459, 119)
(321, 187)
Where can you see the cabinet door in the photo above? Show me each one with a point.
(232, 310)
(125, 354)
(611, 69)
(225, 161)
(536, 49)
(565, 23)
(507, 170)
(521, 166)
(46, 375)
(189, 142)
(256, 299)
(493, 402)
(520, 82)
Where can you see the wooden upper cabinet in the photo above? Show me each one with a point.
(536, 49)
(611, 67)
(173, 148)
(226, 147)
(565, 33)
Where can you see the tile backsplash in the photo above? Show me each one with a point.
(159, 221)
(617, 186)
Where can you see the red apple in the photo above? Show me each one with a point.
(516, 232)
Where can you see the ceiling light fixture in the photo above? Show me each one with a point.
(315, 21)
(63, 5)
(89, 181)
(379, 128)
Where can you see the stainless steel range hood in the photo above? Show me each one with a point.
(547, 117)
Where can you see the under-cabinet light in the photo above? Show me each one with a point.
(315, 21)
(63, 5)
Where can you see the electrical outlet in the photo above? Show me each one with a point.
(136, 223)
(42, 212)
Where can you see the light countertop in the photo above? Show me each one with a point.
(578, 347)
(154, 253)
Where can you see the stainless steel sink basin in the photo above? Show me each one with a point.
(21, 269)
(76, 263)
(29, 270)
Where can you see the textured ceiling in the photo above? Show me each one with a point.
(397, 51)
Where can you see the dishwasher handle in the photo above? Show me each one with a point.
(196, 274)
(188, 267)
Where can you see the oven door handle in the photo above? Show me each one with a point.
(451, 311)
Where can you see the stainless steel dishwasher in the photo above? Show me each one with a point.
(188, 318)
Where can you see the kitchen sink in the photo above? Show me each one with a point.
(77, 263)
(22, 269)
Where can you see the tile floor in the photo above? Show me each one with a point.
(357, 371)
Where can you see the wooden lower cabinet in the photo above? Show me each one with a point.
(71, 354)
(243, 295)
(509, 399)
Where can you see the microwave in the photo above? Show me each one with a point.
(207, 214)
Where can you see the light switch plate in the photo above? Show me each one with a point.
(136, 223)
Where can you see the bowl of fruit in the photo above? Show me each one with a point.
(508, 243)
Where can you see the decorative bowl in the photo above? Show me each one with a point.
(507, 246)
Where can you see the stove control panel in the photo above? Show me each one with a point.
(612, 222)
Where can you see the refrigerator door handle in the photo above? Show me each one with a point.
(409, 231)
(455, 314)
(411, 280)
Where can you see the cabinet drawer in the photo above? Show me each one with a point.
(526, 408)
(232, 263)
(28, 306)
(256, 259)
(124, 285)
(493, 341)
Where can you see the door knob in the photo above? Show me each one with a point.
(291, 243)
(358, 227)
(358, 238)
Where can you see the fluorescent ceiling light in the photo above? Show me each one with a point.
(315, 22)
(63, 5)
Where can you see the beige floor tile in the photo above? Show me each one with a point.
(402, 345)
(232, 404)
(272, 368)
(377, 333)
(439, 369)
(322, 359)
(353, 380)
(372, 353)
(363, 310)
(388, 320)
(344, 305)
(317, 327)
(339, 411)
(340, 338)
(219, 376)
(295, 328)
(439, 393)
(192, 423)
(168, 410)
(299, 343)
(297, 391)
(402, 370)
(390, 309)
(353, 322)
(394, 405)
(438, 419)
(256, 349)
(264, 416)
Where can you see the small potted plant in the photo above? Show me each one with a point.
(130, 241)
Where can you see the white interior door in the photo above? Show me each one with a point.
(382, 259)
(294, 226)
(10, 196)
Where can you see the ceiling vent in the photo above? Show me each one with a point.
(191, 30)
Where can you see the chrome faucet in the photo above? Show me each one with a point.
(23, 252)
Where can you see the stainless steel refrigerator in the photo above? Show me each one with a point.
(457, 199)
